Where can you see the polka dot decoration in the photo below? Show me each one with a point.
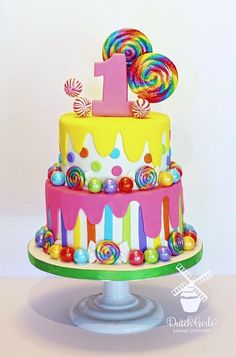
(71, 157)
(115, 153)
(96, 166)
(148, 158)
(116, 171)
(84, 153)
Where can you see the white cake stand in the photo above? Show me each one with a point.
(115, 310)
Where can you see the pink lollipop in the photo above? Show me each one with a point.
(73, 87)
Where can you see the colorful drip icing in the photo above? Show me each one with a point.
(71, 202)
(150, 130)
(130, 42)
(153, 76)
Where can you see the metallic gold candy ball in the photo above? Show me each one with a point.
(189, 243)
(165, 179)
(55, 251)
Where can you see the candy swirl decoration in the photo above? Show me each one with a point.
(176, 243)
(73, 87)
(75, 178)
(140, 108)
(107, 252)
(153, 76)
(130, 42)
(82, 107)
(146, 178)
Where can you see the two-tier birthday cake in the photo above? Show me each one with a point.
(115, 195)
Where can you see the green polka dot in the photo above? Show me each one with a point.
(96, 166)
(163, 149)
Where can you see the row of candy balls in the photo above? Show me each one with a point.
(146, 178)
(107, 252)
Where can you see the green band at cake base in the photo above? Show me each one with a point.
(106, 274)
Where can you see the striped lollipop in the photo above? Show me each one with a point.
(107, 252)
(176, 243)
(82, 106)
(130, 42)
(140, 108)
(146, 178)
(73, 87)
(75, 178)
(153, 76)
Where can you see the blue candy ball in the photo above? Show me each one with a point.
(175, 174)
(81, 256)
(189, 227)
(58, 178)
(110, 185)
(164, 253)
(40, 236)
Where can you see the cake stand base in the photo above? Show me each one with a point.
(116, 311)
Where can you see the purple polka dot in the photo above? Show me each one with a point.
(71, 157)
(116, 170)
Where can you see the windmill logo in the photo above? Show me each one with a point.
(190, 294)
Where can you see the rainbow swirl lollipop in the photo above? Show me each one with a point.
(153, 77)
(107, 252)
(132, 43)
(176, 243)
(146, 178)
(75, 178)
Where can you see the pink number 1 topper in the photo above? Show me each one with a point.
(114, 101)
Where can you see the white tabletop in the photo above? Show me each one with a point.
(35, 320)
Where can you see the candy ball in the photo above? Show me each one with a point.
(136, 257)
(73, 87)
(58, 241)
(53, 169)
(173, 165)
(55, 251)
(67, 254)
(82, 106)
(164, 253)
(126, 184)
(151, 256)
(189, 227)
(165, 179)
(95, 185)
(191, 234)
(58, 178)
(109, 186)
(40, 236)
(47, 244)
(175, 174)
(81, 256)
(189, 243)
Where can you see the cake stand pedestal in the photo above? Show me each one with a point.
(116, 310)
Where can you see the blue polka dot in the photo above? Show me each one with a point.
(115, 153)
(71, 157)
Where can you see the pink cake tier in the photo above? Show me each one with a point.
(142, 218)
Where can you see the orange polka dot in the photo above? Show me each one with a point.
(148, 158)
(84, 152)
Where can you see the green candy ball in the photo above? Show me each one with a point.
(151, 256)
(95, 185)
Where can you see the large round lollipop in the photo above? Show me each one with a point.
(153, 76)
(107, 252)
(130, 42)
